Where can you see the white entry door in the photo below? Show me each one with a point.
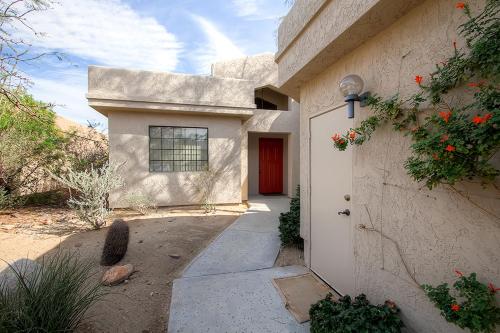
(331, 184)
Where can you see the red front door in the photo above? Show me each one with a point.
(270, 165)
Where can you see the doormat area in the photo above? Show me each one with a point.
(300, 292)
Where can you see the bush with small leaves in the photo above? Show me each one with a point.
(347, 316)
(92, 187)
(7, 201)
(289, 226)
(475, 307)
(116, 243)
(140, 202)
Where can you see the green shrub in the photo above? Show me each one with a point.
(8, 201)
(49, 198)
(475, 307)
(290, 223)
(51, 296)
(358, 316)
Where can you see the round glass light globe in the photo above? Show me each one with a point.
(351, 85)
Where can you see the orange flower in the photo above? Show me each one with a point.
(336, 137)
(352, 135)
(444, 138)
(492, 288)
(341, 141)
(450, 148)
(477, 120)
(419, 79)
(445, 115)
(458, 273)
(455, 307)
(460, 5)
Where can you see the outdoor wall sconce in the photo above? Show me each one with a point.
(351, 87)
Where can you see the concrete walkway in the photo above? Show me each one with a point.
(228, 287)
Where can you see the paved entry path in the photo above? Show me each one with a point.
(228, 287)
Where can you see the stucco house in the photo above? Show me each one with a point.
(386, 43)
(182, 138)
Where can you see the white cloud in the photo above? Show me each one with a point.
(260, 9)
(106, 31)
(246, 7)
(69, 97)
(218, 46)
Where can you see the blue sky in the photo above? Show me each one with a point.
(179, 36)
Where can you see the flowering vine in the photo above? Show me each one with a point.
(473, 306)
(450, 144)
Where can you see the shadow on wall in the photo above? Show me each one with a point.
(190, 187)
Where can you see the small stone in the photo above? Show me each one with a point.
(126, 281)
(172, 220)
(151, 294)
(78, 244)
(174, 256)
(117, 274)
(141, 241)
(160, 246)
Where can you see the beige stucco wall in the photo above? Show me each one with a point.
(439, 230)
(162, 87)
(261, 69)
(129, 145)
(278, 122)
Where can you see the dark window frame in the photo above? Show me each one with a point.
(175, 162)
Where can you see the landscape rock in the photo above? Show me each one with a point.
(24, 266)
(117, 274)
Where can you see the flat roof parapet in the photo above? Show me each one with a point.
(161, 87)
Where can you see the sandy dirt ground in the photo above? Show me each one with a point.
(141, 304)
(289, 256)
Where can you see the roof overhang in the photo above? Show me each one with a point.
(105, 106)
(317, 33)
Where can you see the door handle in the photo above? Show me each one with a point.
(345, 212)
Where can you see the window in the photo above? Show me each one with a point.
(263, 104)
(174, 149)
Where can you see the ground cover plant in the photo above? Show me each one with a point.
(52, 295)
(354, 316)
(289, 226)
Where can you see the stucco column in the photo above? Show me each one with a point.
(244, 163)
